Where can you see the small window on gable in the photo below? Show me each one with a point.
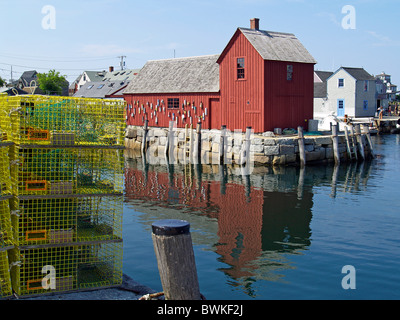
(173, 103)
(240, 68)
(341, 83)
(366, 86)
(289, 75)
(365, 105)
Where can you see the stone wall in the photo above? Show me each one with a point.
(265, 149)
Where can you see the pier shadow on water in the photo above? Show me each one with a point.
(255, 223)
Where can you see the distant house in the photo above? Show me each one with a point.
(262, 79)
(382, 98)
(102, 89)
(352, 92)
(322, 106)
(386, 90)
(29, 83)
(88, 76)
(98, 76)
(121, 75)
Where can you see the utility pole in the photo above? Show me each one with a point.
(122, 63)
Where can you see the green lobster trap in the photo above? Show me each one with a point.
(66, 171)
(67, 220)
(62, 121)
(5, 280)
(37, 271)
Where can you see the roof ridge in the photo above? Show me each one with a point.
(268, 31)
(186, 58)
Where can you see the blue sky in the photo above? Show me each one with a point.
(91, 34)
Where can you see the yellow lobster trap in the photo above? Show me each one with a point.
(62, 121)
(5, 280)
(67, 220)
(5, 174)
(66, 171)
(37, 271)
(6, 235)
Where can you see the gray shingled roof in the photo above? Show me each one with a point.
(193, 74)
(99, 89)
(323, 75)
(358, 73)
(321, 88)
(277, 46)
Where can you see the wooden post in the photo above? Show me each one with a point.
(245, 156)
(175, 258)
(368, 135)
(354, 143)
(145, 132)
(190, 142)
(169, 146)
(346, 133)
(222, 145)
(198, 143)
(302, 150)
(359, 140)
(335, 144)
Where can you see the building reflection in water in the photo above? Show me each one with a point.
(254, 223)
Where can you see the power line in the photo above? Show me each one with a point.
(54, 59)
(67, 69)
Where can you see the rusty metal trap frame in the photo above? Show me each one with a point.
(5, 280)
(66, 171)
(67, 220)
(62, 121)
(6, 233)
(44, 270)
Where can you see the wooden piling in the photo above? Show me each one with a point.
(169, 145)
(145, 132)
(335, 141)
(245, 156)
(368, 136)
(197, 152)
(222, 145)
(346, 133)
(302, 150)
(354, 143)
(191, 142)
(359, 141)
(175, 258)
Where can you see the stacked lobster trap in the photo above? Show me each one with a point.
(66, 176)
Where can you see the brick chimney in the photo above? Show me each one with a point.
(111, 69)
(255, 24)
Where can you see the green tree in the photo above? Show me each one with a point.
(2, 82)
(51, 82)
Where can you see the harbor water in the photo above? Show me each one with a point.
(322, 232)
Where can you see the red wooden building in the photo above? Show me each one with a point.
(262, 79)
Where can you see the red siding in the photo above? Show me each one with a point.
(197, 105)
(288, 104)
(242, 101)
